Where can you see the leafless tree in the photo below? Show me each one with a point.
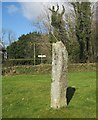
(11, 36)
(2, 36)
(7, 37)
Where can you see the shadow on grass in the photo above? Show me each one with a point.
(70, 93)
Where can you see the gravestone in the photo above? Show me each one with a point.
(59, 75)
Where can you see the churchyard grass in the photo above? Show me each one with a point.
(28, 96)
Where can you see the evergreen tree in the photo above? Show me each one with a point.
(83, 29)
(24, 47)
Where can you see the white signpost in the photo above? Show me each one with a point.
(41, 56)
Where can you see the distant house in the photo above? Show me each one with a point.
(3, 53)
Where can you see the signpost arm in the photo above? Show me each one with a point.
(41, 58)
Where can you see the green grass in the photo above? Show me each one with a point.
(28, 96)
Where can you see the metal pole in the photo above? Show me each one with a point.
(41, 59)
(34, 54)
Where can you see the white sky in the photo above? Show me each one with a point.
(33, 8)
(30, 10)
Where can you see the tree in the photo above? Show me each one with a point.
(25, 45)
(7, 37)
(93, 32)
(11, 36)
(2, 36)
(83, 29)
(97, 28)
(58, 24)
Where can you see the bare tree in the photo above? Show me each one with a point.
(2, 36)
(11, 36)
(7, 37)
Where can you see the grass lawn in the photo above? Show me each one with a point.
(28, 96)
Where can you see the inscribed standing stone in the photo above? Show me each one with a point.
(59, 75)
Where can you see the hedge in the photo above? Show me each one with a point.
(15, 62)
(46, 69)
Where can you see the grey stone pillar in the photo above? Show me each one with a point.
(59, 75)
